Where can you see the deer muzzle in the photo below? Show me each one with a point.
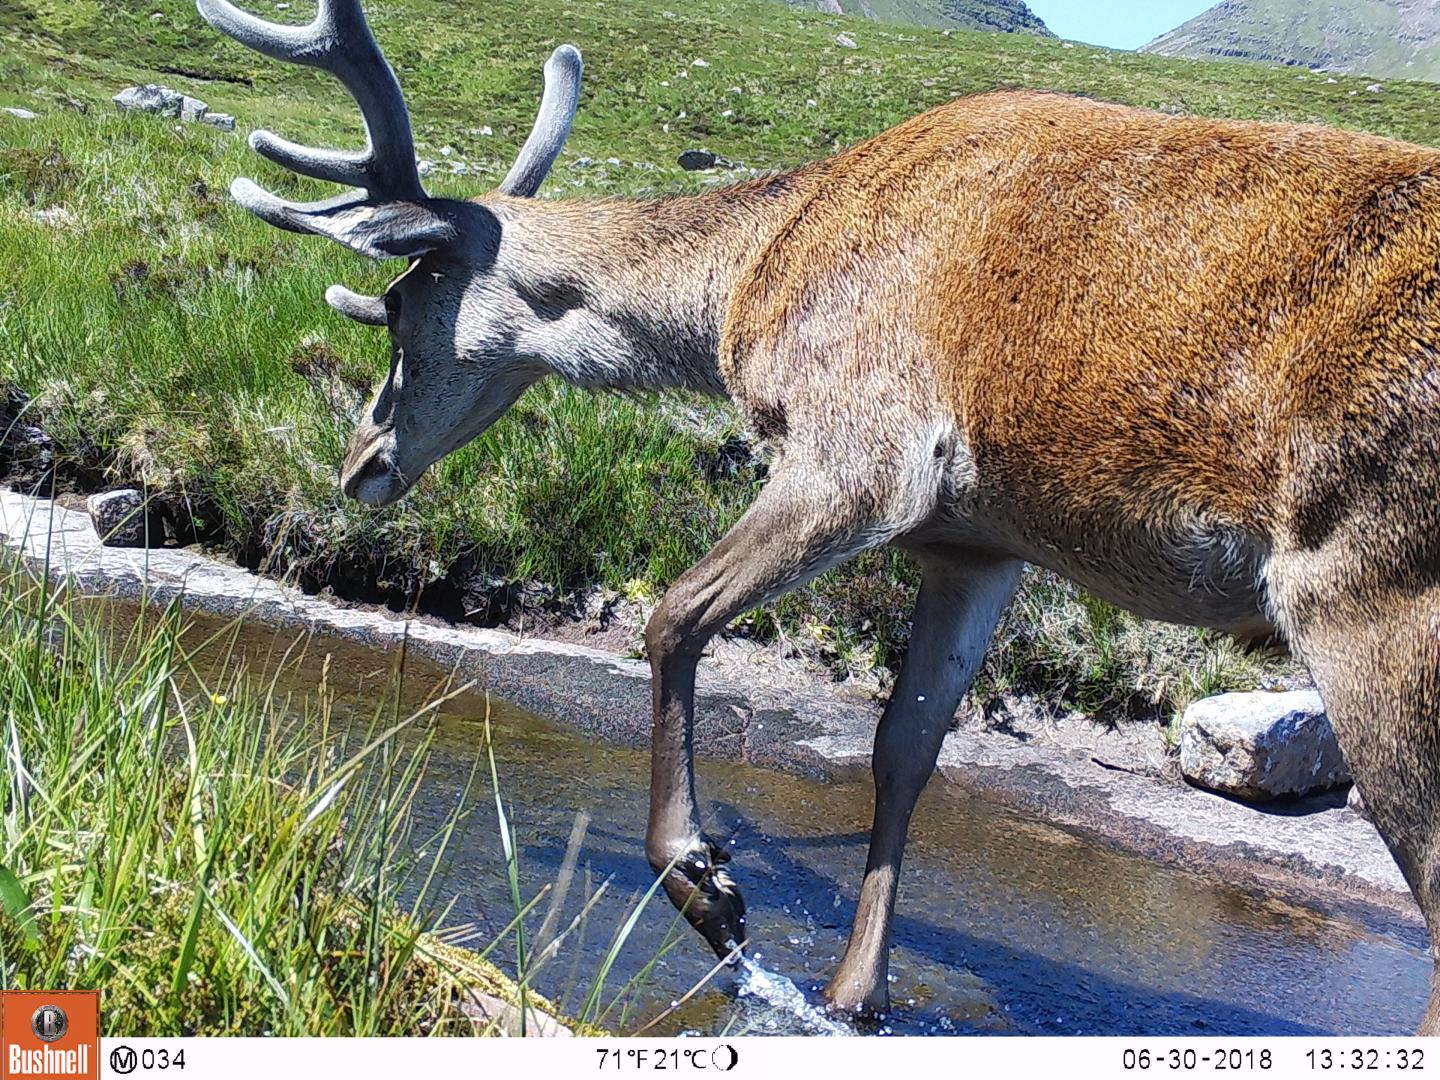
(370, 473)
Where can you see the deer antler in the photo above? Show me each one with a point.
(552, 123)
(339, 41)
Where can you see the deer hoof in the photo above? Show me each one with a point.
(700, 886)
(852, 997)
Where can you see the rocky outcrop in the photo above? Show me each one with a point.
(1261, 746)
(163, 101)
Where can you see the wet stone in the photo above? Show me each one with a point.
(122, 519)
(1261, 746)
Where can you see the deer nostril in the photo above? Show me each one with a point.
(369, 468)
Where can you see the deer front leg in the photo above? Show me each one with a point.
(961, 599)
(801, 525)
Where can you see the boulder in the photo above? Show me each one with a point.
(695, 160)
(163, 101)
(20, 114)
(845, 41)
(160, 100)
(123, 519)
(192, 110)
(1261, 746)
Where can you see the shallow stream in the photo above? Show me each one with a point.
(1005, 924)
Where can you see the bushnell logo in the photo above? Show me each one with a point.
(50, 1034)
(49, 1023)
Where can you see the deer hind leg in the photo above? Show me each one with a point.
(1374, 651)
(960, 601)
(803, 522)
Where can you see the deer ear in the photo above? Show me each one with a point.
(386, 230)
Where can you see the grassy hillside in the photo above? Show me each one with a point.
(1005, 16)
(166, 338)
(1393, 38)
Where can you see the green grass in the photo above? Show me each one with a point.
(168, 339)
(213, 861)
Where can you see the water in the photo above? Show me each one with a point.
(775, 1004)
(1005, 925)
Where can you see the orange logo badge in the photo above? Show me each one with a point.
(49, 1035)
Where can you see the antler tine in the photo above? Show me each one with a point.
(339, 41)
(558, 103)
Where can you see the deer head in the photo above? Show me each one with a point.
(456, 358)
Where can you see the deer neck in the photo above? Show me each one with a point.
(633, 294)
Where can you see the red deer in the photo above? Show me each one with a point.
(1192, 364)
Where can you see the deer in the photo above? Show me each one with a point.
(1191, 364)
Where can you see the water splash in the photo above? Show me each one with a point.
(780, 1007)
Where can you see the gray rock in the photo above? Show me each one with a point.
(21, 114)
(845, 41)
(695, 160)
(163, 101)
(1356, 802)
(122, 519)
(160, 100)
(1261, 746)
(192, 110)
(488, 1011)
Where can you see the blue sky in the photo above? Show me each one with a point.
(1119, 24)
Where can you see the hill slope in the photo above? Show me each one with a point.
(1006, 16)
(1393, 38)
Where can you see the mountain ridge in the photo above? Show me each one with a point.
(1379, 38)
(1002, 16)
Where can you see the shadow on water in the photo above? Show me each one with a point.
(1005, 925)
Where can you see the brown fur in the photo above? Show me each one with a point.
(1189, 363)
